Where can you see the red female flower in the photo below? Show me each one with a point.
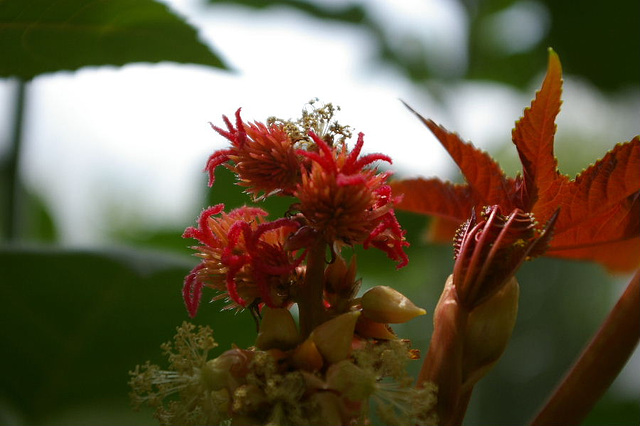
(262, 156)
(349, 204)
(489, 252)
(243, 258)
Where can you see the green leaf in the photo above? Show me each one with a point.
(41, 36)
(75, 323)
(350, 13)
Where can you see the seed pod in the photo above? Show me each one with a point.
(333, 338)
(488, 332)
(277, 329)
(386, 305)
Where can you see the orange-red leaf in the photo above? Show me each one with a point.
(533, 137)
(486, 180)
(435, 197)
(599, 211)
(619, 256)
(603, 207)
(450, 203)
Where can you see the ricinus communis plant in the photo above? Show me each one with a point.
(501, 221)
(340, 361)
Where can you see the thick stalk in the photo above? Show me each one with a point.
(443, 363)
(461, 408)
(599, 364)
(310, 305)
(13, 199)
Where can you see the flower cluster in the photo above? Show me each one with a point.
(263, 157)
(276, 387)
(243, 257)
(341, 359)
(341, 201)
(348, 204)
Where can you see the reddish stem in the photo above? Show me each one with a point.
(461, 409)
(310, 298)
(599, 364)
(443, 363)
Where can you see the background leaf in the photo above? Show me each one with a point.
(351, 13)
(579, 33)
(41, 36)
(74, 324)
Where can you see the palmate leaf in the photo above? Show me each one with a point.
(41, 36)
(451, 203)
(533, 137)
(599, 211)
(486, 180)
(446, 200)
(601, 214)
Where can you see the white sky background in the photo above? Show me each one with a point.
(127, 145)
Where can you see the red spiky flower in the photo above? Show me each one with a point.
(262, 156)
(347, 203)
(243, 258)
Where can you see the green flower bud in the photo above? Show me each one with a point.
(333, 338)
(306, 356)
(386, 305)
(277, 329)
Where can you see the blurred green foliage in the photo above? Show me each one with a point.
(74, 322)
(596, 42)
(40, 36)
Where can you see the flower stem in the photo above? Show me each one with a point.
(461, 408)
(443, 363)
(310, 304)
(599, 364)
